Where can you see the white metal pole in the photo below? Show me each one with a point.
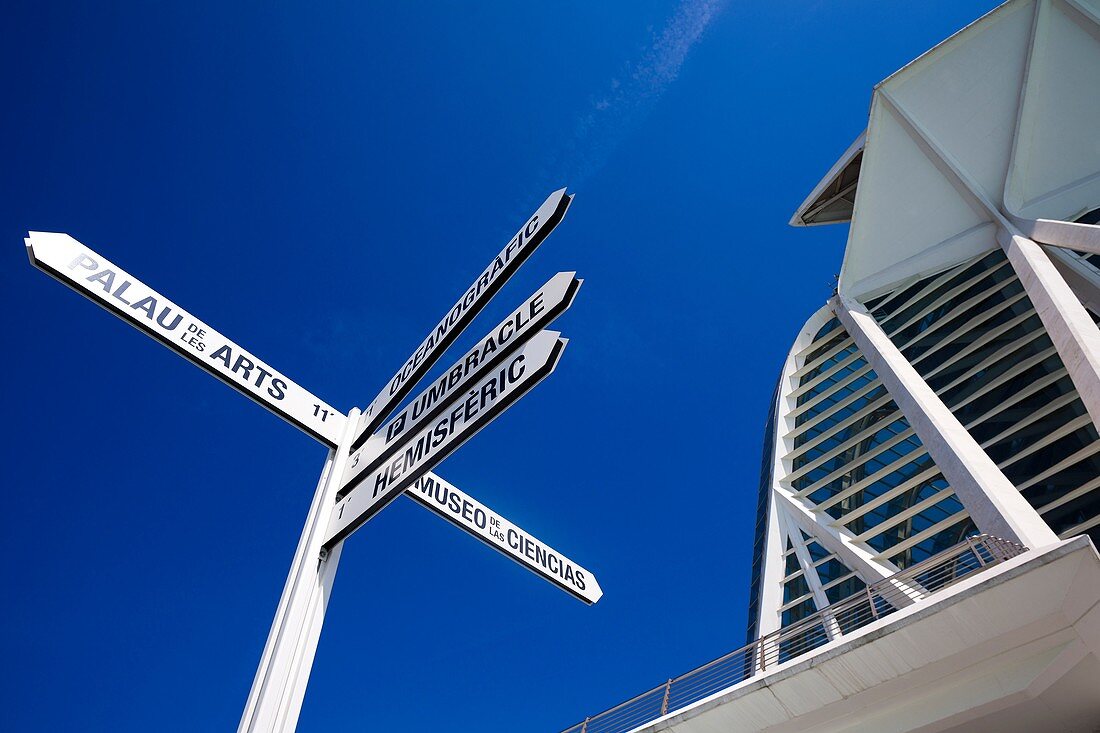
(280, 684)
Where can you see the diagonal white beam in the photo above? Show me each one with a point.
(994, 504)
(1075, 336)
(802, 553)
(1065, 319)
(1062, 234)
(834, 539)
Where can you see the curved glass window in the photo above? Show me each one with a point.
(984, 351)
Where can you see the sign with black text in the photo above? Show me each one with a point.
(472, 516)
(109, 286)
(365, 493)
(537, 312)
(503, 266)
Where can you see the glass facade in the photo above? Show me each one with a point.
(973, 335)
(854, 462)
(857, 460)
(851, 460)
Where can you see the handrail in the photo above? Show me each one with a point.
(877, 600)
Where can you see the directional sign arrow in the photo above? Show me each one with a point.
(423, 450)
(472, 516)
(111, 287)
(514, 254)
(537, 312)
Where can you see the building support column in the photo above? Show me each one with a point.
(813, 581)
(994, 504)
(837, 541)
(1063, 234)
(1075, 336)
(275, 700)
(771, 574)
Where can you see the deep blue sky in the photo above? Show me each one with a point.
(320, 183)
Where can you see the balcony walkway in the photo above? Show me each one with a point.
(920, 582)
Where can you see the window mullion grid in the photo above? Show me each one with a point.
(1015, 371)
(993, 358)
(813, 580)
(795, 601)
(1070, 427)
(860, 460)
(863, 483)
(792, 576)
(1049, 407)
(1080, 528)
(934, 283)
(946, 296)
(804, 388)
(925, 475)
(888, 524)
(900, 288)
(950, 315)
(839, 580)
(1066, 462)
(880, 424)
(807, 368)
(862, 392)
(805, 407)
(1018, 397)
(1075, 494)
(979, 342)
(842, 425)
(923, 535)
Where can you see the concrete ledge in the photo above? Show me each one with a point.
(1017, 644)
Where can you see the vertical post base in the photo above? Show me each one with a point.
(279, 688)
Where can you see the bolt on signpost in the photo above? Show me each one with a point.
(371, 460)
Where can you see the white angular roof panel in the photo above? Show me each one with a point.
(998, 120)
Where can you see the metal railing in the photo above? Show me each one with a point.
(875, 601)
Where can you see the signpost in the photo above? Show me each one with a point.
(461, 419)
(504, 265)
(366, 468)
(470, 515)
(538, 311)
(119, 292)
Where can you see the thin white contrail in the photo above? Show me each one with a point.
(628, 99)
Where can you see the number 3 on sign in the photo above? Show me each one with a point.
(323, 413)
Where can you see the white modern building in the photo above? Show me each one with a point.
(924, 556)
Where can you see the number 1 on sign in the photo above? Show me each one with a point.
(319, 411)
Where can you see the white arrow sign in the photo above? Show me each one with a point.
(111, 287)
(514, 254)
(470, 515)
(537, 312)
(464, 416)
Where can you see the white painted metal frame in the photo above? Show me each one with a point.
(275, 699)
(993, 502)
(809, 571)
(1066, 321)
(1057, 233)
(988, 497)
(797, 512)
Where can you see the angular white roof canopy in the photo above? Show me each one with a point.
(997, 123)
(833, 197)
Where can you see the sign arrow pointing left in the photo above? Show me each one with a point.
(119, 292)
